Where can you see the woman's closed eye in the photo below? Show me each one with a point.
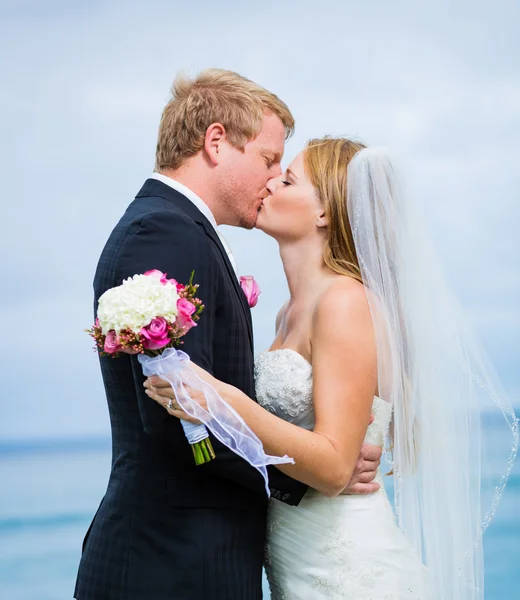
(286, 183)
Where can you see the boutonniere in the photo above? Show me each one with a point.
(251, 289)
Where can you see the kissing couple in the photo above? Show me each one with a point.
(369, 352)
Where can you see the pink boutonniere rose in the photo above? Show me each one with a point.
(250, 289)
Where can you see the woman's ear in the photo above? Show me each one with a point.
(215, 136)
(321, 221)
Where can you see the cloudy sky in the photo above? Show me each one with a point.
(83, 86)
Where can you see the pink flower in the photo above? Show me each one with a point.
(129, 350)
(157, 274)
(155, 334)
(163, 277)
(112, 344)
(250, 289)
(185, 309)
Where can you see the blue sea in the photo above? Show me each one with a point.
(49, 493)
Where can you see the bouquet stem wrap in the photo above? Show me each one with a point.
(201, 445)
(220, 418)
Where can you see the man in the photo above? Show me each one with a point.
(166, 529)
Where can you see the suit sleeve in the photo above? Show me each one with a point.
(178, 246)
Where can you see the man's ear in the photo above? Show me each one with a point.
(215, 135)
(321, 221)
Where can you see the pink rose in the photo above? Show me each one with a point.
(250, 289)
(163, 277)
(112, 344)
(156, 273)
(155, 334)
(185, 309)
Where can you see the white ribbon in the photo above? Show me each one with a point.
(220, 418)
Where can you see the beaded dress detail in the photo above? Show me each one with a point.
(347, 547)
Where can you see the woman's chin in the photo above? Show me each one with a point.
(264, 228)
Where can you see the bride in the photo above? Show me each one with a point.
(370, 327)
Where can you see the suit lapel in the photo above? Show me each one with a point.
(210, 231)
(154, 187)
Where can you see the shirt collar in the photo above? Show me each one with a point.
(192, 196)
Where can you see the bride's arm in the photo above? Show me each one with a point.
(344, 384)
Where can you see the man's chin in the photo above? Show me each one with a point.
(249, 222)
(259, 221)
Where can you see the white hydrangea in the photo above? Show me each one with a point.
(136, 302)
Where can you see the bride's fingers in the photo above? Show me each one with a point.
(156, 381)
(362, 488)
(164, 392)
(164, 395)
(366, 477)
(180, 414)
(368, 466)
(175, 410)
(371, 453)
(162, 398)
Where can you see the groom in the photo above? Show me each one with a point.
(166, 529)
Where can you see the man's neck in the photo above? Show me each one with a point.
(198, 184)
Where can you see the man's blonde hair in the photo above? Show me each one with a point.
(214, 96)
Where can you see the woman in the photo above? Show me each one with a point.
(369, 327)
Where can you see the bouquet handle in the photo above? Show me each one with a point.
(198, 437)
(220, 418)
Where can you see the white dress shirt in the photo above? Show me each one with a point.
(204, 209)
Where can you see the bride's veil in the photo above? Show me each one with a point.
(454, 434)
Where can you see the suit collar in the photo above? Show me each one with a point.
(156, 188)
(190, 194)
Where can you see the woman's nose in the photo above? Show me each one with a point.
(272, 184)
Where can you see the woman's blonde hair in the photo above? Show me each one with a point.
(214, 96)
(326, 163)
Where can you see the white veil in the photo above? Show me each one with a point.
(453, 427)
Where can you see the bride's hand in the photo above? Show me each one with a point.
(162, 392)
(362, 481)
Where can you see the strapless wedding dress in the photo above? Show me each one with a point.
(348, 547)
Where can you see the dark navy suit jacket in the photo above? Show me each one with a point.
(166, 529)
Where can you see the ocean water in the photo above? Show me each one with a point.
(50, 493)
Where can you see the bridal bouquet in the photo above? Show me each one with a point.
(149, 315)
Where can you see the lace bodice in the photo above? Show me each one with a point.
(346, 547)
(284, 387)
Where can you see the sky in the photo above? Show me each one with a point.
(83, 87)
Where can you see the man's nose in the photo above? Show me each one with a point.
(277, 170)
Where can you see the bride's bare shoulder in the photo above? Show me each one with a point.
(343, 289)
(343, 299)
